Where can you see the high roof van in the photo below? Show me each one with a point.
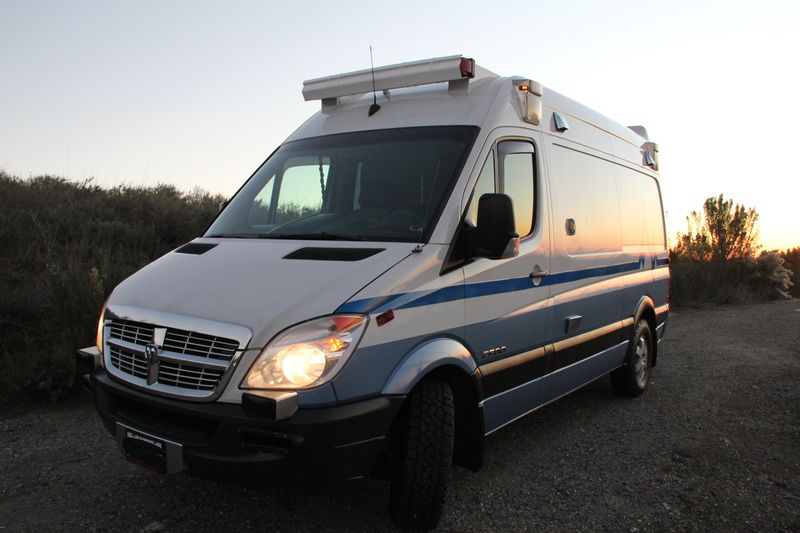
(436, 253)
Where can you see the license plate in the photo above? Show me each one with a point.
(149, 451)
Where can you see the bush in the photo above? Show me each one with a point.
(66, 245)
(715, 260)
(792, 260)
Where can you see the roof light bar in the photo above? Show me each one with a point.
(438, 69)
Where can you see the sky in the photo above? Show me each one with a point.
(198, 93)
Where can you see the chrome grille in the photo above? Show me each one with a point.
(178, 345)
(129, 361)
(188, 376)
(134, 332)
(199, 344)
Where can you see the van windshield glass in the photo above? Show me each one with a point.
(385, 185)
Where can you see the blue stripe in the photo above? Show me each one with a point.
(473, 290)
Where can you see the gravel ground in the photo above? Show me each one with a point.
(713, 445)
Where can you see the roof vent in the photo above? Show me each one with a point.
(641, 131)
(561, 123)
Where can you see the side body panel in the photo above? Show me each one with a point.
(531, 340)
(608, 255)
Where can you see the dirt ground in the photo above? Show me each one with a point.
(713, 445)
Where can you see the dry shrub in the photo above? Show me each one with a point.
(65, 246)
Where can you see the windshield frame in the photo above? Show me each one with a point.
(463, 133)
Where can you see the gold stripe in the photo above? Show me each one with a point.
(530, 355)
(663, 309)
(591, 335)
(514, 360)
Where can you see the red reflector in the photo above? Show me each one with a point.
(383, 318)
(467, 67)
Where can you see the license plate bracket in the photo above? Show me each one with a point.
(150, 451)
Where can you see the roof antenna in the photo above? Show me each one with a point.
(374, 107)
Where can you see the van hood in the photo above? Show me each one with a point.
(251, 283)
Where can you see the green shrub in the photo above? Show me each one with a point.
(65, 246)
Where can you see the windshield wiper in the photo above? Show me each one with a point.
(321, 236)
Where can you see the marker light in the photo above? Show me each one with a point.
(524, 88)
(306, 355)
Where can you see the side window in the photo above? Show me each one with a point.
(302, 188)
(515, 159)
(485, 184)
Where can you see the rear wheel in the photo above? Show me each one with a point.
(424, 453)
(633, 377)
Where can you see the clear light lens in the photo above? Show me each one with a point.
(307, 354)
(100, 323)
(300, 364)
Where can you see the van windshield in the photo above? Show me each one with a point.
(385, 185)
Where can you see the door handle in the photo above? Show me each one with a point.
(538, 274)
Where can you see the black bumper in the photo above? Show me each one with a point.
(222, 440)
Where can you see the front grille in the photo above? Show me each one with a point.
(129, 361)
(134, 332)
(178, 344)
(199, 344)
(188, 376)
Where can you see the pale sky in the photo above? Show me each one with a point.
(198, 93)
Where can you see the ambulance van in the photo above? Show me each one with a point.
(436, 253)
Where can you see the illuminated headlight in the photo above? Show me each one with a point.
(100, 324)
(307, 354)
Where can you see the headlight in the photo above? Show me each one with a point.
(307, 354)
(100, 323)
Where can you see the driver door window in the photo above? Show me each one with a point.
(516, 179)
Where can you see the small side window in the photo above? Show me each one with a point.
(484, 185)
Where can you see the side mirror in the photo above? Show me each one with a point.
(495, 235)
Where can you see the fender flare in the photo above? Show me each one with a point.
(644, 303)
(426, 357)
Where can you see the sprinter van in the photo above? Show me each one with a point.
(436, 253)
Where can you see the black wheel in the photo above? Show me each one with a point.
(424, 453)
(633, 377)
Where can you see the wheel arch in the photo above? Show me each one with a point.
(449, 361)
(646, 310)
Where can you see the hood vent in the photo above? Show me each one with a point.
(195, 248)
(333, 254)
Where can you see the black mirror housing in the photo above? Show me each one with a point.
(495, 235)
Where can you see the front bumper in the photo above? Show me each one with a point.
(223, 440)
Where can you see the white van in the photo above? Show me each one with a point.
(436, 253)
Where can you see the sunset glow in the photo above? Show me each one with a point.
(198, 94)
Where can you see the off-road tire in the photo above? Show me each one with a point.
(424, 456)
(633, 377)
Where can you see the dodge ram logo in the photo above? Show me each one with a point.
(151, 352)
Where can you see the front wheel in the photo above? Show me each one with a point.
(423, 458)
(633, 377)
